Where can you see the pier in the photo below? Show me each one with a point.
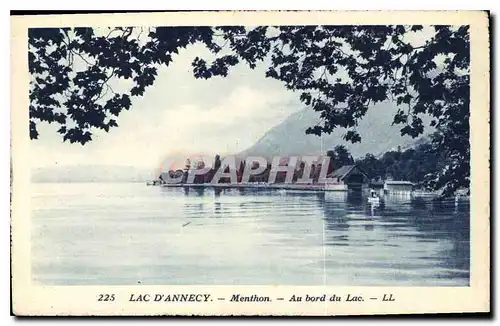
(274, 186)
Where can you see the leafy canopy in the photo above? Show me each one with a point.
(338, 71)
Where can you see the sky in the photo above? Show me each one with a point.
(179, 114)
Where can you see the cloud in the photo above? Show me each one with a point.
(232, 124)
(242, 103)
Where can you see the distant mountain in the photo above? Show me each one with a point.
(289, 137)
(91, 173)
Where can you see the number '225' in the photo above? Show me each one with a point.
(106, 297)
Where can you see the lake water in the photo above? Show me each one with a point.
(91, 233)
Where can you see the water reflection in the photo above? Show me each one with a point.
(419, 232)
(250, 236)
(433, 233)
(335, 210)
(200, 191)
(217, 208)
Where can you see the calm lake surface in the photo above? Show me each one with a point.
(92, 233)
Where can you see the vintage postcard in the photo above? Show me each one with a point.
(250, 163)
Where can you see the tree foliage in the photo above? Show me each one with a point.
(339, 156)
(413, 164)
(338, 71)
(72, 68)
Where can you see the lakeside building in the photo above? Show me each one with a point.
(393, 186)
(348, 178)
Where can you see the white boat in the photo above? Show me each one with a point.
(373, 198)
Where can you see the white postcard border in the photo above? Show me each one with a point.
(30, 299)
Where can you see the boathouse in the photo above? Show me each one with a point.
(392, 186)
(348, 178)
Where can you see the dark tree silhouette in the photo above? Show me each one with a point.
(215, 167)
(71, 69)
(413, 164)
(240, 170)
(339, 157)
(381, 64)
(339, 71)
(371, 165)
